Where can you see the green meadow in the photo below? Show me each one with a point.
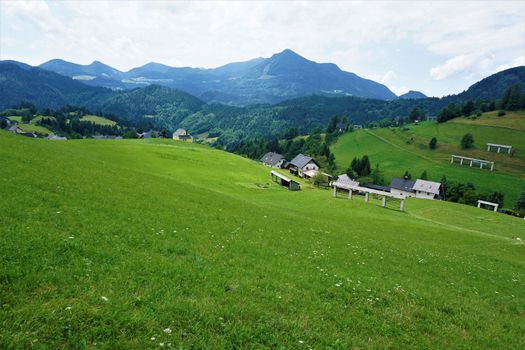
(98, 120)
(147, 244)
(398, 150)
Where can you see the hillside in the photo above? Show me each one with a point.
(396, 151)
(494, 85)
(412, 95)
(182, 246)
(282, 76)
(166, 108)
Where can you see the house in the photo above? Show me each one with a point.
(148, 134)
(426, 189)
(56, 138)
(284, 181)
(432, 118)
(377, 187)
(346, 180)
(341, 127)
(273, 159)
(13, 128)
(402, 187)
(302, 163)
(182, 135)
(27, 134)
(357, 126)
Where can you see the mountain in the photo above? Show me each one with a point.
(494, 86)
(282, 76)
(412, 95)
(169, 108)
(43, 88)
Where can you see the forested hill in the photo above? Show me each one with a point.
(493, 86)
(169, 108)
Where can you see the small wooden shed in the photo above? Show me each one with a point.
(284, 181)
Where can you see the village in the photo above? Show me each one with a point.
(306, 168)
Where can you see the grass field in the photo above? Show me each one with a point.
(396, 151)
(30, 127)
(98, 120)
(138, 244)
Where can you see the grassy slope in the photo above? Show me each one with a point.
(98, 120)
(389, 147)
(184, 237)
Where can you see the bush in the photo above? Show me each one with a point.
(433, 143)
(501, 113)
(467, 141)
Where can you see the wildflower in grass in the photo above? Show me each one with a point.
(104, 298)
(167, 330)
(301, 341)
(161, 345)
(68, 308)
(58, 212)
(152, 338)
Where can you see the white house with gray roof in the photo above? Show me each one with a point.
(402, 187)
(302, 163)
(426, 189)
(274, 160)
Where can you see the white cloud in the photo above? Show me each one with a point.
(362, 37)
(462, 65)
(518, 61)
(388, 78)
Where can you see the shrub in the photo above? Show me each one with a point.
(433, 143)
(501, 113)
(467, 141)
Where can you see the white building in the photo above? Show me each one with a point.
(426, 189)
(182, 135)
(402, 187)
(302, 163)
(274, 160)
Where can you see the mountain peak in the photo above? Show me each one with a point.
(412, 94)
(288, 54)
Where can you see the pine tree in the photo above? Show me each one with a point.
(424, 175)
(365, 166)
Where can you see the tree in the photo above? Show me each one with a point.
(415, 114)
(468, 108)
(467, 141)
(514, 101)
(351, 173)
(424, 175)
(407, 175)
(365, 166)
(3, 124)
(433, 143)
(130, 134)
(291, 133)
(520, 203)
(377, 177)
(332, 125)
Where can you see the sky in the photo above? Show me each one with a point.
(438, 48)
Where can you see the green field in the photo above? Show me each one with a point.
(98, 120)
(396, 151)
(141, 244)
(30, 127)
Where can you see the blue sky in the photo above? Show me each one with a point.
(438, 48)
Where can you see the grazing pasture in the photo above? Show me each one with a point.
(397, 150)
(98, 120)
(139, 244)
